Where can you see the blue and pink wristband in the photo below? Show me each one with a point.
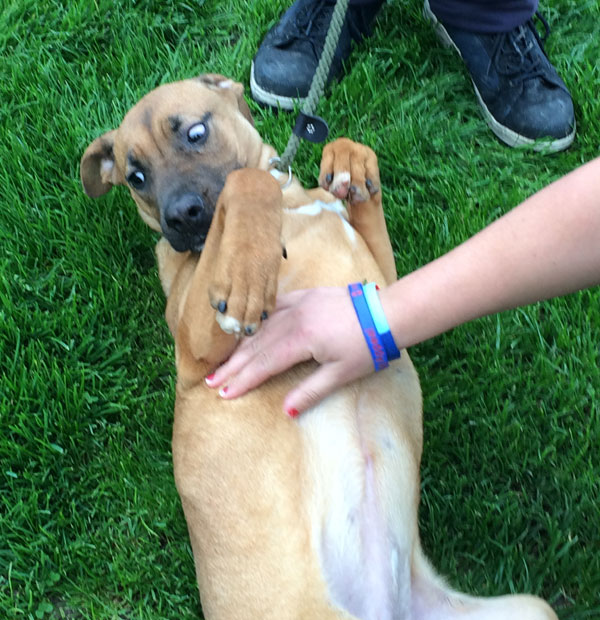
(373, 323)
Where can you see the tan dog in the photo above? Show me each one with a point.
(312, 518)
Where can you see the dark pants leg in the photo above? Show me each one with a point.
(489, 16)
(484, 16)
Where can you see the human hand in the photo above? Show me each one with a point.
(318, 324)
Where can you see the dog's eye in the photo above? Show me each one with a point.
(197, 133)
(136, 179)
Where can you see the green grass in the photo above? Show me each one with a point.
(90, 523)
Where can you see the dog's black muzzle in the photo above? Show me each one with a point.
(185, 221)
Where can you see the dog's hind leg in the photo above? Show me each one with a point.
(350, 171)
(432, 599)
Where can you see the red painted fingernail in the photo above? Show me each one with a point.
(377, 287)
(223, 390)
(292, 412)
(210, 377)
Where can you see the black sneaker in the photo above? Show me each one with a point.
(523, 99)
(286, 61)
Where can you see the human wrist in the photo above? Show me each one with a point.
(381, 323)
(373, 323)
(413, 308)
(396, 303)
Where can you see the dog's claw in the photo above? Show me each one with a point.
(222, 306)
(284, 252)
(371, 187)
(354, 194)
(264, 316)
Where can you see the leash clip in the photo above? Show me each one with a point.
(311, 127)
(276, 163)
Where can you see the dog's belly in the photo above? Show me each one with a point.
(330, 500)
(362, 445)
(362, 454)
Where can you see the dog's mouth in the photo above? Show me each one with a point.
(185, 243)
(197, 246)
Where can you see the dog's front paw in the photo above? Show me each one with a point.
(349, 171)
(244, 283)
(241, 309)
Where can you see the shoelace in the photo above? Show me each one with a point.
(513, 54)
(313, 23)
(317, 18)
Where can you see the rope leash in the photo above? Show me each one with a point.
(307, 125)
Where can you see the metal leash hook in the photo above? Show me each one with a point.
(308, 126)
(276, 163)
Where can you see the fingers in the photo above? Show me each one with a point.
(255, 362)
(317, 324)
(314, 389)
(271, 351)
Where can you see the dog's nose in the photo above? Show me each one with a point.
(185, 213)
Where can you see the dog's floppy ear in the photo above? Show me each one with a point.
(220, 82)
(97, 168)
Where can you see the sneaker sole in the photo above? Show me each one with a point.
(507, 135)
(272, 99)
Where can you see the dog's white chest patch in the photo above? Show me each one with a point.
(318, 206)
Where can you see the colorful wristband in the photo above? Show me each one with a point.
(376, 348)
(381, 324)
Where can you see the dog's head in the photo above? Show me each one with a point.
(174, 150)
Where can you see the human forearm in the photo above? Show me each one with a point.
(547, 246)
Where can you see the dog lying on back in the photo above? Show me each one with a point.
(314, 518)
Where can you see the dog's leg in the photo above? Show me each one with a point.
(349, 171)
(244, 278)
(236, 274)
(432, 599)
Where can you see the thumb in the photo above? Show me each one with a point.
(314, 389)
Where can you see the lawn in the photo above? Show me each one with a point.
(90, 522)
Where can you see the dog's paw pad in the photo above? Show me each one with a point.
(229, 324)
(340, 185)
